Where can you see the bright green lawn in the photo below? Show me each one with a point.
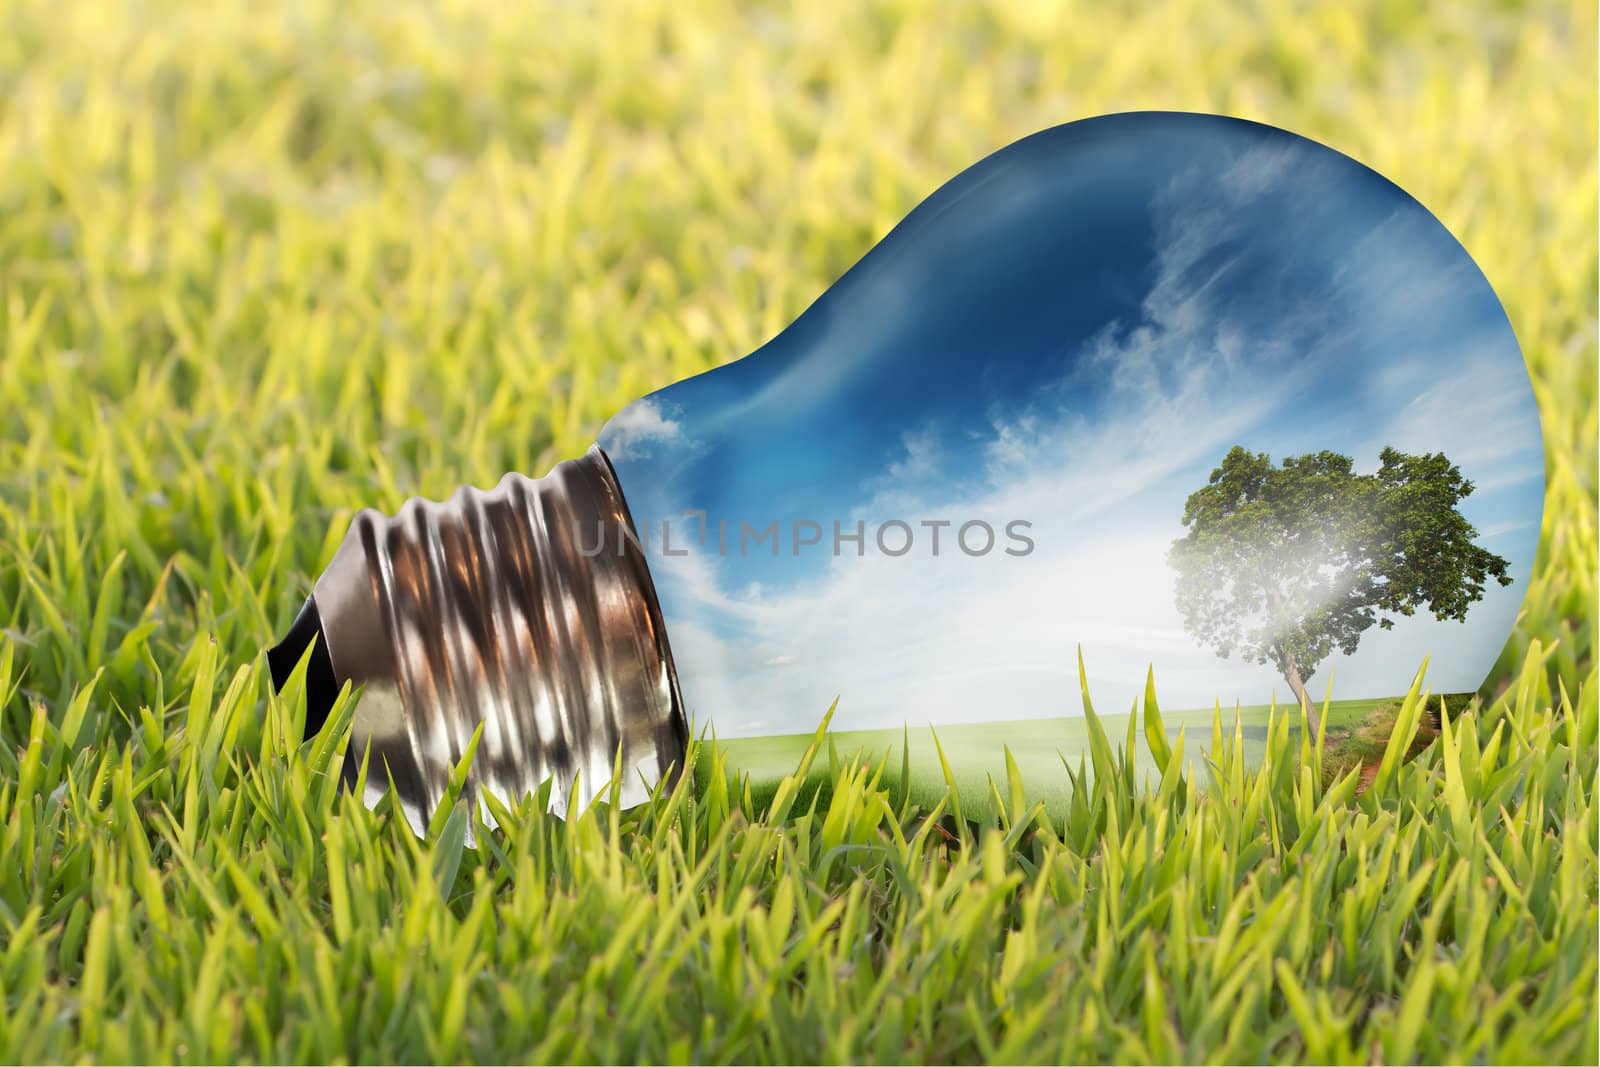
(262, 266)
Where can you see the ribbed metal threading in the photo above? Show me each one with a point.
(527, 609)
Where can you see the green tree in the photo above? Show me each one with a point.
(1284, 565)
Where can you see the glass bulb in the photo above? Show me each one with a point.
(1168, 389)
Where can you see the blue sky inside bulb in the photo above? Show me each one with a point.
(1070, 335)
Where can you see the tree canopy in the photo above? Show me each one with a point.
(1287, 564)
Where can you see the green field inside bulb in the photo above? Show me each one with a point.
(1043, 749)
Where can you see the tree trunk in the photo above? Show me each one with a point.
(1291, 674)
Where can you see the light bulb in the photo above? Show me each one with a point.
(1166, 388)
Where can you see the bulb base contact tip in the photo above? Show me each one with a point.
(322, 687)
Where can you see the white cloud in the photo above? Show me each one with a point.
(1500, 529)
(1476, 413)
(639, 428)
(1416, 290)
(1475, 407)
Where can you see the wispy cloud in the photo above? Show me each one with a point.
(1500, 529)
(642, 427)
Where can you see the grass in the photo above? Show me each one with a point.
(259, 268)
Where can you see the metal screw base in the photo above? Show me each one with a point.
(527, 609)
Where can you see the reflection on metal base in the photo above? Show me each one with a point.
(528, 610)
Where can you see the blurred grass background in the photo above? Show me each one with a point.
(263, 265)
